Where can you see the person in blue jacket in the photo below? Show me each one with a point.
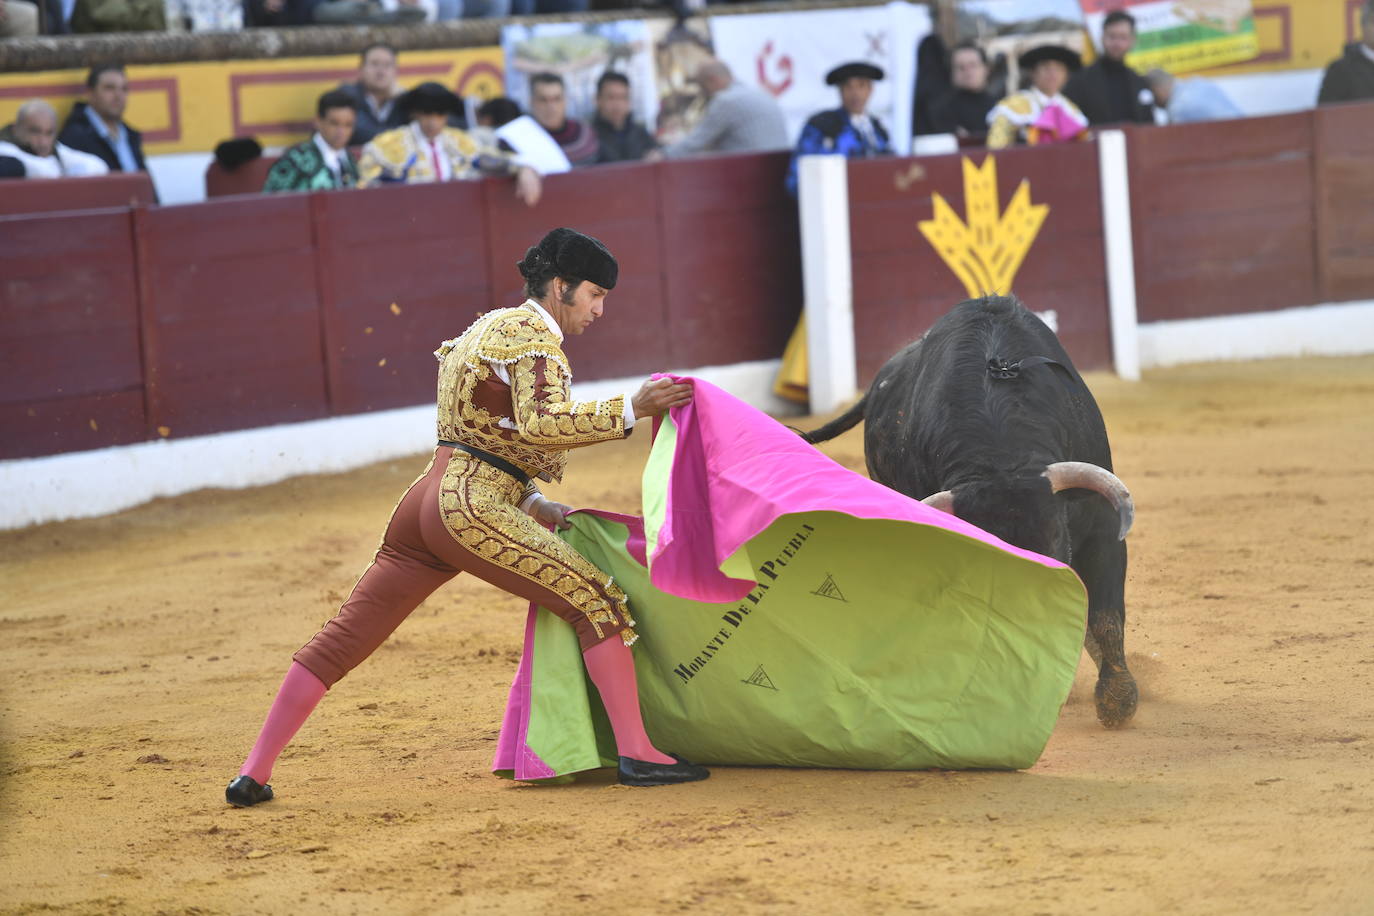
(848, 130)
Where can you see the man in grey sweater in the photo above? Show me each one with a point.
(738, 118)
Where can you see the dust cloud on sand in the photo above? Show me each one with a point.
(139, 653)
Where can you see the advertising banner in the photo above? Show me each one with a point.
(788, 55)
(580, 52)
(1182, 36)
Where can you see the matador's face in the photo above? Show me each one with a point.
(579, 305)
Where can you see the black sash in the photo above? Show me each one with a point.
(500, 464)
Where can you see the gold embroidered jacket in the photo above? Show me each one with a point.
(542, 421)
(400, 155)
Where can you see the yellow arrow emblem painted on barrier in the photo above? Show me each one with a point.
(986, 252)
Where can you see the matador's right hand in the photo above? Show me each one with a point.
(659, 395)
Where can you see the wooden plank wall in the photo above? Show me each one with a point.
(71, 371)
(1344, 140)
(60, 194)
(160, 322)
(901, 285)
(132, 323)
(231, 315)
(1222, 217)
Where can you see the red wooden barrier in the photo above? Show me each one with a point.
(731, 258)
(231, 319)
(271, 308)
(901, 284)
(399, 270)
(54, 195)
(71, 377)
(1222, 216)
(1344, 142)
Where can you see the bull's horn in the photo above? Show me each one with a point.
(1065, 475)
(944, 501)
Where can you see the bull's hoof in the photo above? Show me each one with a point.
(1116, 698)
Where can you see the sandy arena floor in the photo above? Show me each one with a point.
(140, 652)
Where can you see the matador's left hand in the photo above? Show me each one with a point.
(548, 512)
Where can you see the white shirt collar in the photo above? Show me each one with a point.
(331, 155)
(1367, 50)
(548, 319)
(1045, 100)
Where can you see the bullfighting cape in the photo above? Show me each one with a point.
(792, 612)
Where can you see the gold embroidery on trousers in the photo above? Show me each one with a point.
(479, 507)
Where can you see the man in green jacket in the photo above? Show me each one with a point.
(321, 163)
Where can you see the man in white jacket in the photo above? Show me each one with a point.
(32, 139)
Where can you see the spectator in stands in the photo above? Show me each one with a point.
(204, 15)
(278, 13)
(549, 106)
(492, 114)
(621, 137)
(738, 118)
(963, 108)
(849, 130)
(1109, 92)
(547, 7)
(118, 16)
(18, 18)
(32, 139)
(321, 163)
(1351, 76)
(97, 126)
(1040, 114)
(428, 150)
(375, 12)
(498, 112)
(375, 93)
(1187, 100)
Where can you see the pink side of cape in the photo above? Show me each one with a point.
(736, 470)
(512, 753)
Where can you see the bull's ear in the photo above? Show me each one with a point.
(944, 501)
(1065, 475)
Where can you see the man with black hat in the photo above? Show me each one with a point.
(321, 163)
(506, 415)
(1108, 91)
(428, 150)
(849, 130)
(1040, 114)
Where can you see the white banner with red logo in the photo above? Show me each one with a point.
(789, 54)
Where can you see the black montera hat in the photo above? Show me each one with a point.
(430, 98)
(572, 255)
(1060, 53)
(857, 68)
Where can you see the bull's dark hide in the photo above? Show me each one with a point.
(980, 407)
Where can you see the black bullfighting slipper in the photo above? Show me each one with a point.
(642, 773)
(244, 792)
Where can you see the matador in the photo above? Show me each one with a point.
(506, 417)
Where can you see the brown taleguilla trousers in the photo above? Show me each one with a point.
(462, 515)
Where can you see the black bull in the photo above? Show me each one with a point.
(986, 417)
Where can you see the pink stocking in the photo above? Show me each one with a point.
(613, 672)
(296, 699)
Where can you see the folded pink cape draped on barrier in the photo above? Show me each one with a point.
(794, 612)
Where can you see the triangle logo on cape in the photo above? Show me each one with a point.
(829, 589)
(759, 678)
